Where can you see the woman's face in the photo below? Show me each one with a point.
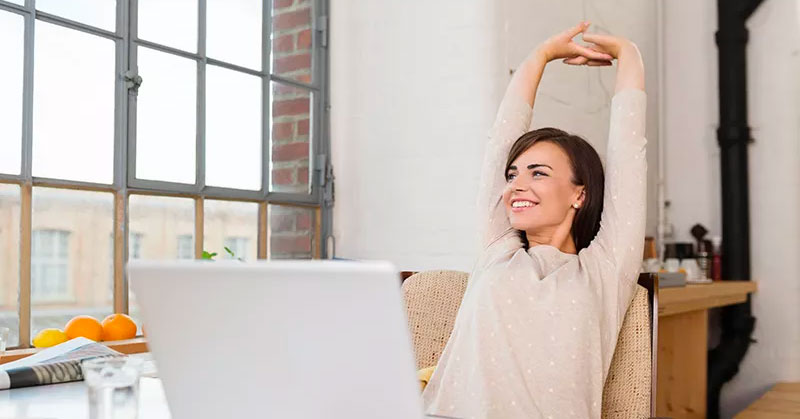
(539, 189)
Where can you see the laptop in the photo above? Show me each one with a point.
(278, 339)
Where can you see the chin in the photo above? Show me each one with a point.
(523, 225)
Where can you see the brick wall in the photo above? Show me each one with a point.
(291, 228)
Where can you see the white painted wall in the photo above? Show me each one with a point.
(692, 165)
(415, 86)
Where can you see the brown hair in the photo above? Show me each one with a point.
(587, 171)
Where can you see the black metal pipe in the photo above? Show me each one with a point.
(733, 136)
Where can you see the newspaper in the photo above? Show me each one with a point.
(58, 364)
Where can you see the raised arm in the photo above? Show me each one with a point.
(514, 117)
(616, 251)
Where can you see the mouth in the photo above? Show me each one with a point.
(520, 205)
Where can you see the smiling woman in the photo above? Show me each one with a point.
(562, 173)
(537, 327)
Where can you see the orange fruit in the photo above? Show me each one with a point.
(84, 326)
(118, 326)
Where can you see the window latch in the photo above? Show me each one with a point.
(132, 80)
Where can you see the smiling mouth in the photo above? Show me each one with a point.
(522, 205)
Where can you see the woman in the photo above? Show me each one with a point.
(537, 327)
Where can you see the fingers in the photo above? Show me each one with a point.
(581, 60)
(592, 54)
(596, 38)
(575, 30)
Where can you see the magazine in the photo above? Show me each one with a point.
(58, 364)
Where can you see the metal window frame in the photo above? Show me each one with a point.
(125, 183)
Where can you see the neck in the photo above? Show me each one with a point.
(546, 238)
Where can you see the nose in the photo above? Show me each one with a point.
(517, 185)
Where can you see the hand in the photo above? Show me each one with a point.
(561, 46)
(614, 46)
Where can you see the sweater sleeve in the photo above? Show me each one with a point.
(513, 119)
(616, 251)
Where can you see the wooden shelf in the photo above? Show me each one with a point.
(701, 297)
(129, 346)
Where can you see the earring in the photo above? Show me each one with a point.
(575, 205)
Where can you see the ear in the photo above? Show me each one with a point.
(581, 196)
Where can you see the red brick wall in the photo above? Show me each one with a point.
(291, 232)
(291, 229)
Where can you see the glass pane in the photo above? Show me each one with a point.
(99, 13)
(291, 232)
(169, 22)
(12, 27)
(73, 105)
(233, 225)
(9, 260)
(290, 125)
(161, 224)
(234, 32)
(292, 39)
(233, 129)
(70, 254)
(166, 117)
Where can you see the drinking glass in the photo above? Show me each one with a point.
(113, 384)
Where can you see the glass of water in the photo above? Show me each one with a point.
(113, 384)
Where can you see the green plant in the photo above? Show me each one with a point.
(210, 256)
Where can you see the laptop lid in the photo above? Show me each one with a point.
(283, 339)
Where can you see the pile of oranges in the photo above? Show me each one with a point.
(114, 327)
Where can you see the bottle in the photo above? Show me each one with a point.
(705, 258)
(716, 264)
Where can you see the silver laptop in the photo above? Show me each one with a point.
(284, 339)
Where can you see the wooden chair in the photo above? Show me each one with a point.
(433, 298)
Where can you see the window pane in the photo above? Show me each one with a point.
(99, 13)
(166, 117)
(233, 129)
(234, 32)
(12, 28)
(73, 105)
(169, 22)
(70, 256)
(233, 225)
(290, 125)
(292, 39)
(9, 260)
(291, 232)
(162, 224)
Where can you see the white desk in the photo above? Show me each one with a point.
(70, 401)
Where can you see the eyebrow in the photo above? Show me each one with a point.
(531, 166)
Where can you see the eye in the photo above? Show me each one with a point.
(538, 173)
(510, 177)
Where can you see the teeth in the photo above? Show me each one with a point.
(519, 204)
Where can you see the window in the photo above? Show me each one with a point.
(50, 266)
(135, 246)
(185, 247)
(186, 123)
(237, 245)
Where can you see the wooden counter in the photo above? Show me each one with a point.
(698, 297)
(781, 401)
(683, 343)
